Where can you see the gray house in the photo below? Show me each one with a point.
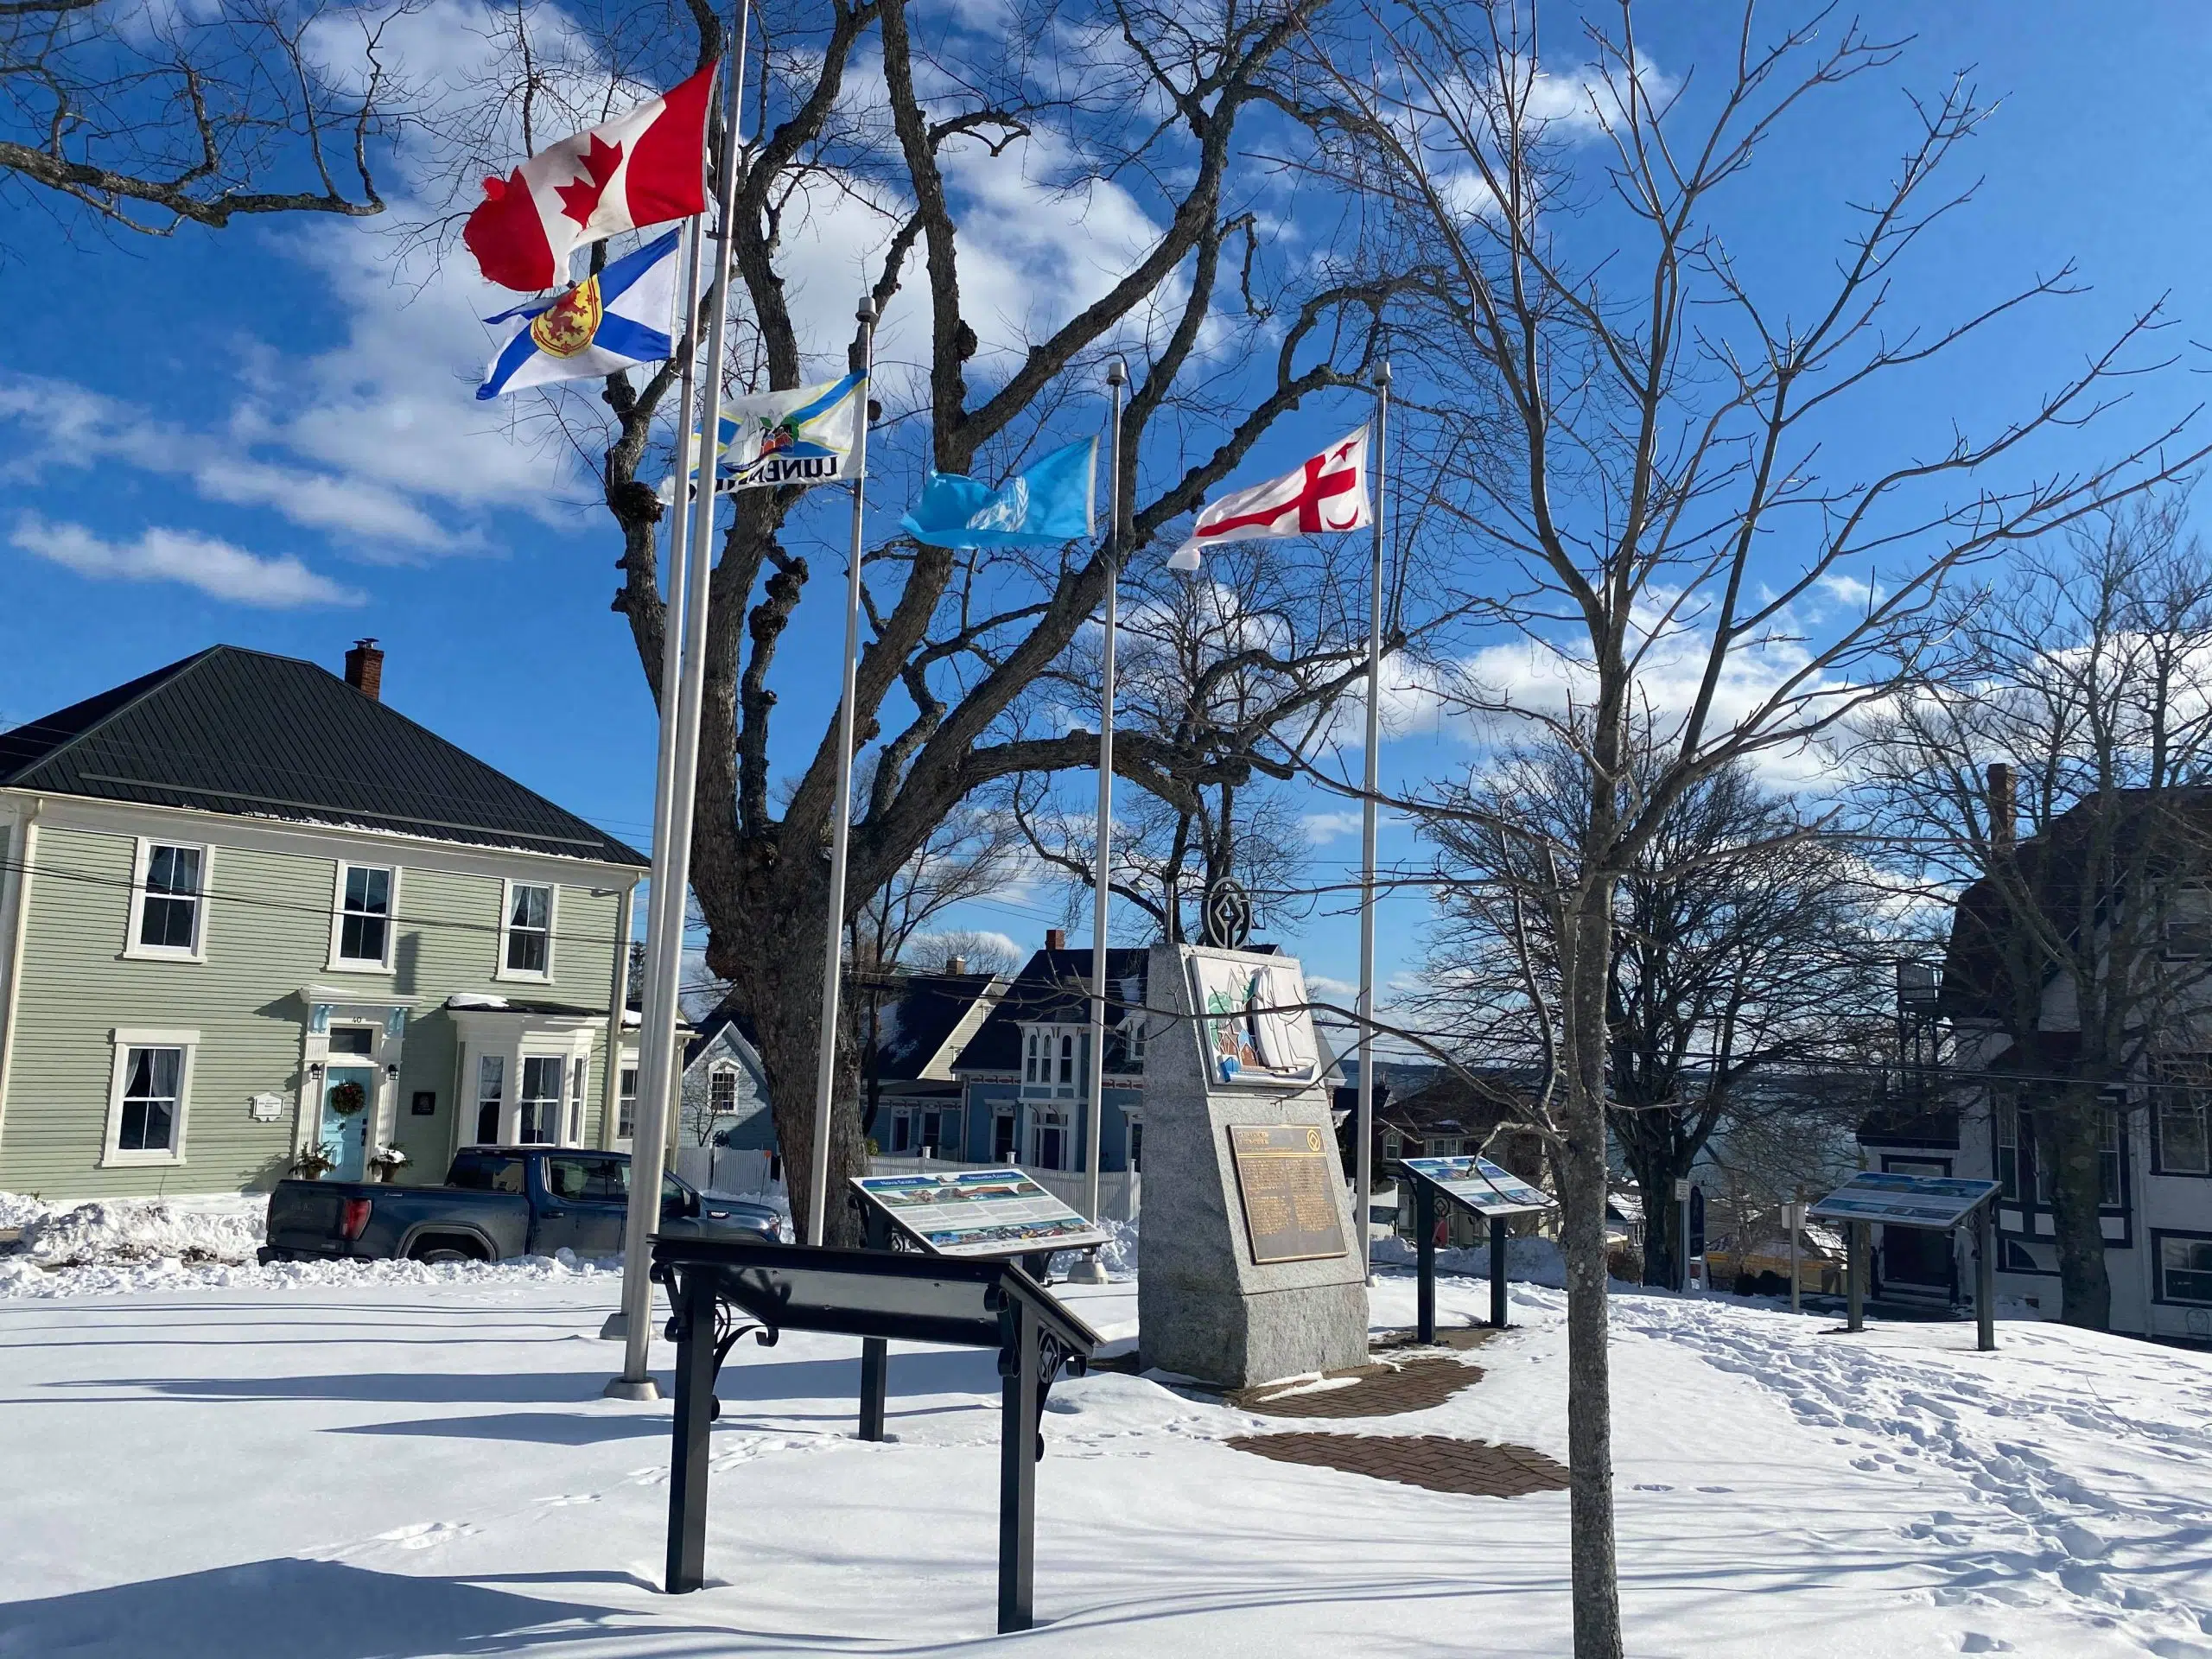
(254, 921)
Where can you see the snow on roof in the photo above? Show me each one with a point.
(476, 1000)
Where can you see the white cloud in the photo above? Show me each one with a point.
(216, 568)
(1323, 827)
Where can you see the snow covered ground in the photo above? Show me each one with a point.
(363, 1467)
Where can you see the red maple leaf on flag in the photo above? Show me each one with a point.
(580, 197)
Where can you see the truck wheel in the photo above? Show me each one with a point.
(433, 1251)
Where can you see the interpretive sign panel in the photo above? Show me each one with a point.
(979, 1212)
(1937, 1201)
(1480, 1184)
(1282, 1173)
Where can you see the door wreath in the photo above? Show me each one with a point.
(347, 1098)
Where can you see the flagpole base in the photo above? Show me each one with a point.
(1086, 1271)
(644, 1391)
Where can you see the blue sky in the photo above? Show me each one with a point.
(286, 391)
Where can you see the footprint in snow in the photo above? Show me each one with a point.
(567, 1498)
(425, 1535)
(1652, 1486)
(1981, 1642)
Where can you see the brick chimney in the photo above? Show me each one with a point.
(956, 964)
(2003, 813)
(364, 670)
(1056, 938)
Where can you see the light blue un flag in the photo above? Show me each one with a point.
(1050, 502)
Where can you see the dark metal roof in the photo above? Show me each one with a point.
(1055, 987)
(245, 733)
(915, 1021)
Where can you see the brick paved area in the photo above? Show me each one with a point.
(1433, 1461)
(1365, 1390)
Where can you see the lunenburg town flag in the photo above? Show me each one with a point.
(802, 437)
(641, 168)
(1050, 502)
(604, 324)
(1328, 492)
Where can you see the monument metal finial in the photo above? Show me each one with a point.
(1227, 919)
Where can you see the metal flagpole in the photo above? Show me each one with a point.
(1087, 1270)
(841, 832)
(1364, 1185)
(636, 1288)
(658, 1070)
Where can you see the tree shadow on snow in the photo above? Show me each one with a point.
(306, 1610)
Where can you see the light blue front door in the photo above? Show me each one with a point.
(349, 1131)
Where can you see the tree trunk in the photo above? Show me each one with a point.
(2070, 1141)
(780, 991)
(1656, 1175)
(1581, 1172)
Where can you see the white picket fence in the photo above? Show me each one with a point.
(717, 1169)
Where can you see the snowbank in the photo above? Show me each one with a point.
(23, 1278)
(1118, 1255)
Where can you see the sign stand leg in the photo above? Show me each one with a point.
(1796, 1224)
(1498, 1273)
(695, 1409)
(1855, 1276)
(875, 1365)
(1425, 1262)
(1017, 1432)
(1984, 1281)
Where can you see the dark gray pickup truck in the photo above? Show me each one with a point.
(498, 1203)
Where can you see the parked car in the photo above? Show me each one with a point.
(498, 1203)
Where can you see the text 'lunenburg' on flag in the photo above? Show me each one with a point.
(798, 437)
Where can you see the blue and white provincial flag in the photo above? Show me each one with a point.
(616, 320)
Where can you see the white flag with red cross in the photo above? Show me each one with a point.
(644, 168)
(1328, 492)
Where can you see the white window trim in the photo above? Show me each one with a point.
(499, 969)
(346, 965)
(124, 1039)
(134, 952)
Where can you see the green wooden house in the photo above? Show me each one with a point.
(253, 922)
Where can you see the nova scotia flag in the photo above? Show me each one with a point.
(614, 321)
(1050, 502)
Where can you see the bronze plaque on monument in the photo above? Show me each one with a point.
(1282, 1173)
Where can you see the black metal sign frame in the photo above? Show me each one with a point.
(720, 1289)
(1428, 1196)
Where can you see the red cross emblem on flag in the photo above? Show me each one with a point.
(1329, 493)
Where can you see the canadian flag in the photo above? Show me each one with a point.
(1328, 492)
(642, 169)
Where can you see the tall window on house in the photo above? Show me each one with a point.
(2179, 1115)
(1067, 1061)
(2111, 1160)
(168, 913)
(491, 1087)
(1133, 1038)
(1029, 1061)
(575, 1104)
(530, 930)
(2007, 1115)
(538, 1105)
(365, 917)
(721, 1092)
(1137, 1145)
(626, 1104)
(152, 1093)
(1002, 1138)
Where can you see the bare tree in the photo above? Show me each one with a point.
(1662, 432)
(1746, 950)
(2085, 677)
(154, 116)
(978, 952)
(882, 111)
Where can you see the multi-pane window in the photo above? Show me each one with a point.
(1136, 1146)
(2189, 922)
(364, 916)
(530, 930)
(577, 1103)
(1048, 1141)
(2008, 1148)
(2110, 1162)
(491, 1086)
(168, 912)
(2184, 1268)
(152, 1095)
(538, 1104)
(2180, 1116)
(626, 1104)
(1029, 1060)
(721, 1092)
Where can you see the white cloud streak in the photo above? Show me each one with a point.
(214, 567)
